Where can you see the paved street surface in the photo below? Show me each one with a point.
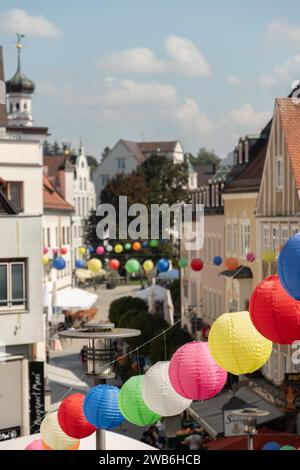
(66, 369)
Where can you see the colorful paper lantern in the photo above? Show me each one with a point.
(80, 264)
(127, 246)
(45, 260)
(109, 248)
(162, 265)
(289, 267)
(232, 264)
(148, 265)
(274, 313)
(71, 417)
(55, 251)
(250, 257)
(136, 246)
(53, 436)
(182, 263)
(158, 393)
(194, 373)
(100, 250)
(145, 244)
(91, 249)
(287, 448)
(94, 265)
(101, 407)
(236, 345)
(217, 260)
(132, 405)
(154, 243)
(59, 263)
(269, 256)
(271, 446)
(197, 264)
(114, 264)
(132, 266)
(118, 248)
(37, 444)
(82, 250)
(63, 251)
(45, 250)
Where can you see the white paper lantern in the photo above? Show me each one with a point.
(53, 436)
(158, 393)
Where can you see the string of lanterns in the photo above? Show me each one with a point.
(238, 342)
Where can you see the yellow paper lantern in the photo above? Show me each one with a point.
(45, 260)
(53, 436)
(236, 345)
(82, 250)
(269, 256)
(148, 265)
(94, 265)
(118, 248)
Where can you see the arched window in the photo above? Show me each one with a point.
(80, 184)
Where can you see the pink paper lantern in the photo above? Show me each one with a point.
(194, 373)
(250, 257)
(100, 250)
(45, 250)
(35, 445)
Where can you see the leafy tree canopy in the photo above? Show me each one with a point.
(203, 157)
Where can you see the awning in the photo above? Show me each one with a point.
(209, 414)
(72, 298)
(169, 275)
(156, 293)
(242, 272)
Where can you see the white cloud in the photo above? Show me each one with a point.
(192, 119)
(183, 57)
(130, 92)
(233, 80)
(137, 60)
(19, 20)
(281, 30)
(186, 57)
(247, 117)
(285, 73)
(266, 81)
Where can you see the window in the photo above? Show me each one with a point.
(14, 193)
(82, 207)
(48, 237)
(68, 235)
(13, 285)
(275, 239)
(235, 229)
(294, 229)
(228, 237)
(64, 235)
(104, 179)
(279, 173)
(17, 106)
(80, 184)
(266, 237)
(284, 234)
(84, 184)
(245, 237)
(121, 164)
(233, 305)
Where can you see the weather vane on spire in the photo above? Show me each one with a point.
(19, 47)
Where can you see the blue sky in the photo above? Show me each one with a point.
(204, 72)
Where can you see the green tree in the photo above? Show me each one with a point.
(105, 152)
(56, 148)
(92, 162)
(122, 305)
(47, 149)
(204, 157)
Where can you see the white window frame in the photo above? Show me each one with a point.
(235, 236)
(275, 241)
(229, 234)
(284, 234)
(279, 173)
(244, 236)
(266, 237)
(10, 307)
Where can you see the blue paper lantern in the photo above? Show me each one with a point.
(145, 244)
(59, 263)
(271, 446)
(101, 407)
(162, 265)
(289, 266)
(217, 260)
(80, 263)
(91, 249)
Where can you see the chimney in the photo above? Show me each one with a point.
(3, 111)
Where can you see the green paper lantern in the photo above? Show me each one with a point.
(287, 447)
(132, 266)
(154, 243)
(182, 263)
(132, 405)
(127, 246)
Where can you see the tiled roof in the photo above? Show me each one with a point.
(289, 113)
(53, 199)
(141, 150)
(54, 163)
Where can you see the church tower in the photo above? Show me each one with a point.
(19, 90)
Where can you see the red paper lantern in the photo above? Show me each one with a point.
(63, 251)
(114, 264)
(71, 418)
(196, 264)
(232, 264)
(274, 313)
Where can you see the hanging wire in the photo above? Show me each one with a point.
(165, 346)
(135, 350)
(138, 360)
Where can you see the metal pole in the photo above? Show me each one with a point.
(100, 433)
(250, 441)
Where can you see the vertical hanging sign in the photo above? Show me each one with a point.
(37, 395)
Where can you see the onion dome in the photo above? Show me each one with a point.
(19, 83)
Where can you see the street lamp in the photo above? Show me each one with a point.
(249, 417)
(99, 355)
